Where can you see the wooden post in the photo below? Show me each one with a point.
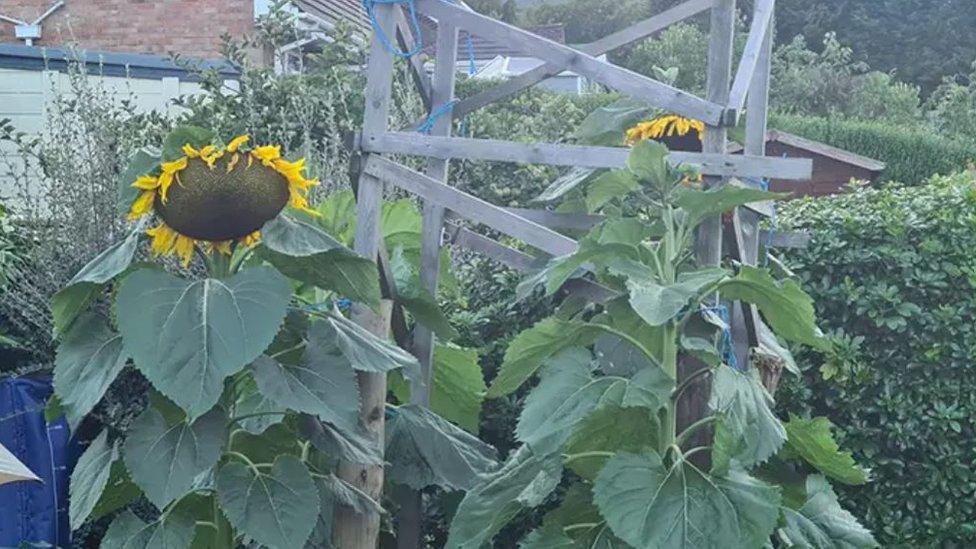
(708, 243)
(442, 92)
(352, 530)
(748, 221)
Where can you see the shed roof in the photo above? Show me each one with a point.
(817, 147)
(352, 12)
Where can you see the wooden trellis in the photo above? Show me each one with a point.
(444, 206)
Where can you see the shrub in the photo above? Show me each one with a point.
(913, 154)
(892, 274)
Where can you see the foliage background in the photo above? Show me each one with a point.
(893, 276)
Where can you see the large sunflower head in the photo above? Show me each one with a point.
(217, 197)
(677, 132)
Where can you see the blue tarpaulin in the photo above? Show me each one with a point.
(30, 511)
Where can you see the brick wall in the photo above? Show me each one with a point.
(188, 27)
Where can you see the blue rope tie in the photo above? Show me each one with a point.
(384, 39)
(472, 66)
(428, 124)
(728, 345)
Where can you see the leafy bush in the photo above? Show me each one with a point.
(913, 154)
(893, 275)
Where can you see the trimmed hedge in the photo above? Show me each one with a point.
(912, 154)
(893, 275)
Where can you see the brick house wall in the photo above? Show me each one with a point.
(188, 27)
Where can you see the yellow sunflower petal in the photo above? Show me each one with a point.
(251, 240)
(267, 154)
(146, 182)
(233, 162)
(190, 152)
(237, 143)
(174, 166)
(184, 248)
(165, 180)
(163, 239)
(142, 205)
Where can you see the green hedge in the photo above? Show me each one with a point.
(893, 275)
(912, 154)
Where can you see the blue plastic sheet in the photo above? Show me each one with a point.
(33, 512)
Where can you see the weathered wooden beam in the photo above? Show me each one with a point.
(604, 45)
(626, 81)
(717, 164)
(760, 29)
(407, 42)
(470, 207)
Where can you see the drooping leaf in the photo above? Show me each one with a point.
(276, 507)
(290, 235)
(142, 162)
(785, 306)
(650, 388)
(524, 481)
(561, 269)
(194, 136)
(648, 504)
(89, 478)
(612, 184)
(119, 491)
(127, 531)
(417, 300)
(320, 384)
(700, 204)
(746, 408)
(164, 459)
(702, 349)
(609, 428)
(531, 347)
(770, 346)
(88, 360)
(821, 523)
(811, 440)
(459, 386)
(112, 262)
(343, 493)
(365, 351)
(426, 450)
(606, 125)
(547, 537)
(353, 446)
(339, 270)
(658, 304)
(648, 162)
(565, 183)
(187, 336)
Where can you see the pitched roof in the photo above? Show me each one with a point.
(352, 12)
(817, 147)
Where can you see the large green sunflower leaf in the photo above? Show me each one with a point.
(425, 449)
(612, 184)
(417, 300)
(811, 440)
(606, 125)
(143, 162)
(277, 508)
(89, 358)
(340, 491)
(293, 236)
(89, 478)
(127, 531)
(112, 262)
(365, 351)
(699, 204)
(609, 429)
(648, 161)
(648, 504)
(821, 523)
(339, 270)
(785, 306)
(531, 347)
(264, 411)
(187, 336)
(119, 491)
(547, 537)
(746, 409)
(70, 302)
(322, 383)
(524, 481)
(566, 183)
(353, 446)
(658, 304)
(459, 386)
(164, 458)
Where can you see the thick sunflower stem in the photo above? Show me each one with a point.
(219, 265)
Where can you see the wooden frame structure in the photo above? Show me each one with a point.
(443, 205)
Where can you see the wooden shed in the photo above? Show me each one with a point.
(833, 168)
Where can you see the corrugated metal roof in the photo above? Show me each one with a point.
(353, 13)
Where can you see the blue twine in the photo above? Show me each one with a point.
(428, 124)
(344, 304)
(472, 66)
(728, 345)
(384, 39)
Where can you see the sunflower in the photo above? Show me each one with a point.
(664, 127)
(218, 197)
